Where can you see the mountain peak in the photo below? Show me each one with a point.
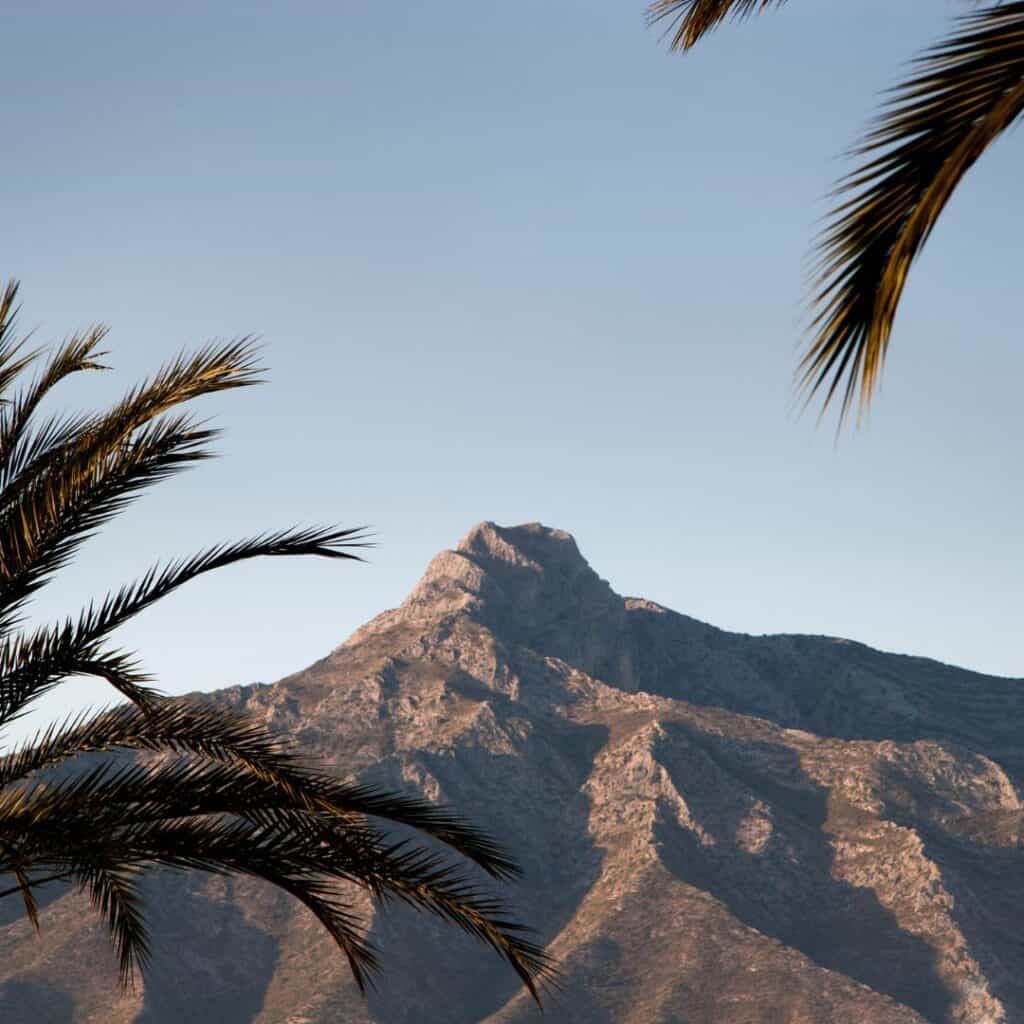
(526, 582)
(522, 571)
(530, 544)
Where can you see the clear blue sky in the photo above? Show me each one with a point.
(515, 262)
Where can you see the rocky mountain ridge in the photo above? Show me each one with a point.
(715, 827)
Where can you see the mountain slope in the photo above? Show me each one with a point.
(714, 827)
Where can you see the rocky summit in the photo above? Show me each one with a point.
(715, 828)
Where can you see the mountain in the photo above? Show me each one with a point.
(716, 828)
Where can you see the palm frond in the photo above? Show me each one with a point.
(426, 882)
(24, 889)
(77, 354)
(320, 897)
(436, 820)
(174, 725)
(202, 817)
(31, 665)
(13, 358)
(122, 671)
(115, 894)
(214, 791)
(966, 92)
(45, 439)
(213, 368)
(690, 20)
(278, 776)
(58, 486)
(44, 525)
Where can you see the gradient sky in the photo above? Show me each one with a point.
(515, 262)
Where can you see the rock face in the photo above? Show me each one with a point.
(716, 828)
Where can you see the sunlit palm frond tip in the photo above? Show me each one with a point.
(964, 93)
(689, 20)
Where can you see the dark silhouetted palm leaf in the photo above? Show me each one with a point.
(963, 94)
(205, 788)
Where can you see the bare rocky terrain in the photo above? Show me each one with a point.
(716, 828)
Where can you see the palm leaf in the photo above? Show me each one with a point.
(114, 893)
(42, 529)
(214, 792)
(690, 20)
(77, 354)
(182, 727)
(966, 92)
(12, 358)
(15, 866)
(321, 898)
(31, 665)
(204, 817)
(59, 484)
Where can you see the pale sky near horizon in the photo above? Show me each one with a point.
(515, 262)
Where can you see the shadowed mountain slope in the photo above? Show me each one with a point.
(714, 827)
